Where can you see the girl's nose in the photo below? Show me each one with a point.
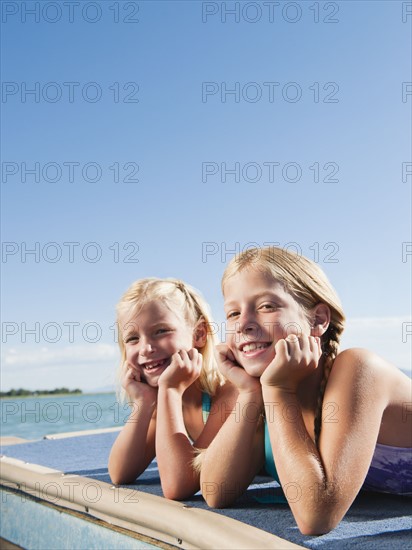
(146, 348)
(247, 324)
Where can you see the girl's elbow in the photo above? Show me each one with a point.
(315, 529)
(172, 494)
(115, 472)
(118, 479)
(115, 478)
(173, 491)
(214, 496)
(213, 501)
(318, 525)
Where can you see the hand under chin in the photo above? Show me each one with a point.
(255, 370)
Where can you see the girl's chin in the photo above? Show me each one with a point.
(152, 381)
(152, 377)
(255, 368)
(255, 371)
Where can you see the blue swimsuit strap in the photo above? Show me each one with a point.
(273, 495)
(269, 460)
(206, 404)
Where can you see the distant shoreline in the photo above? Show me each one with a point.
(41, 395)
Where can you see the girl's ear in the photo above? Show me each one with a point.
(321, 319)
(200, 334)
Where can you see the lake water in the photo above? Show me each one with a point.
(35, 417)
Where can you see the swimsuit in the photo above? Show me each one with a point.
(390, 470)
(206, 403)
(269, 461)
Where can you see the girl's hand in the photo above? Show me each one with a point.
(134, 386)
(183, 370)
(233, 371)
(296, 357)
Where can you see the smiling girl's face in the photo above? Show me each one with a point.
(152, 336)
(259, 312)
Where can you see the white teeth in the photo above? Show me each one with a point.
(154, 365)
(252, 347)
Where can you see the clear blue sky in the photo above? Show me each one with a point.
(313, 99)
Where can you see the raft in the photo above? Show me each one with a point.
(57, 493)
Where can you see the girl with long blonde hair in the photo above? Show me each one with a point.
(169, 376)
(324, 423)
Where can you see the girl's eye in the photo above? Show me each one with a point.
(232, 315)
(268, 307)
(132, 339)
(163, 330)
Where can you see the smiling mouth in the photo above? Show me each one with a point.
(156, 364)
(247, 348)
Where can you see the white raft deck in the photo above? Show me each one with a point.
(57, 494)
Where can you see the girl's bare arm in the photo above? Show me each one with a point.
(175, 452)
(237, 452)
(322, 483)
(134, 447)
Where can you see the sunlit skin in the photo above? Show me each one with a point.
(163, 364)
(153, 337)
(272, 354)
(262, 314)
(259, 313)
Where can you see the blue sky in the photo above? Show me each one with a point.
(129, 163)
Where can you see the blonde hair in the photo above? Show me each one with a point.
(183, 299)
(309, 286)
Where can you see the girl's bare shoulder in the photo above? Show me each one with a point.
(362, 365)
(361, 358)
